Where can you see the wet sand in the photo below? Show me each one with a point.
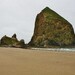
(15, 61)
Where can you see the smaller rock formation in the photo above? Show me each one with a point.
(12, 42)
(21, 43)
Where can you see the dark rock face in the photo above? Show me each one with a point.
(22, 43)
(11, 42)
(14, 36)
(51, 30)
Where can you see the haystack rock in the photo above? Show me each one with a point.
(51, 30)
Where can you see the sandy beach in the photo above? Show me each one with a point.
(15, 61)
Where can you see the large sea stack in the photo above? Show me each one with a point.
(51, 30)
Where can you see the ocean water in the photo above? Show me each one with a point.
(55, 49)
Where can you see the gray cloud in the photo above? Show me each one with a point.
(18, 16)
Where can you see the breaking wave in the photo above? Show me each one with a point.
(55, 49)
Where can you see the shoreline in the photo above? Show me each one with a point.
(46, 49)
(56, 49)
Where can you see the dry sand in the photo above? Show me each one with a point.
(15, 61)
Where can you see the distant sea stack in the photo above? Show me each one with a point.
(51, 30)
(12, 42)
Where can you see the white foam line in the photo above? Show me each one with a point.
(56, 49)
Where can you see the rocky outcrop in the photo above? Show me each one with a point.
(21, 44)
(12, 42)
(51, 30)
(14, 36)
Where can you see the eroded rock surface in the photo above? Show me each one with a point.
(12, 42)
(51, 30)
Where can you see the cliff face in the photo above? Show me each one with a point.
(51, 30)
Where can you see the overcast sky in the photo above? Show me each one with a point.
(18, 16)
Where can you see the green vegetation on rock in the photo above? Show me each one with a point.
(22, 43)
(51, 30)
(11, 42)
